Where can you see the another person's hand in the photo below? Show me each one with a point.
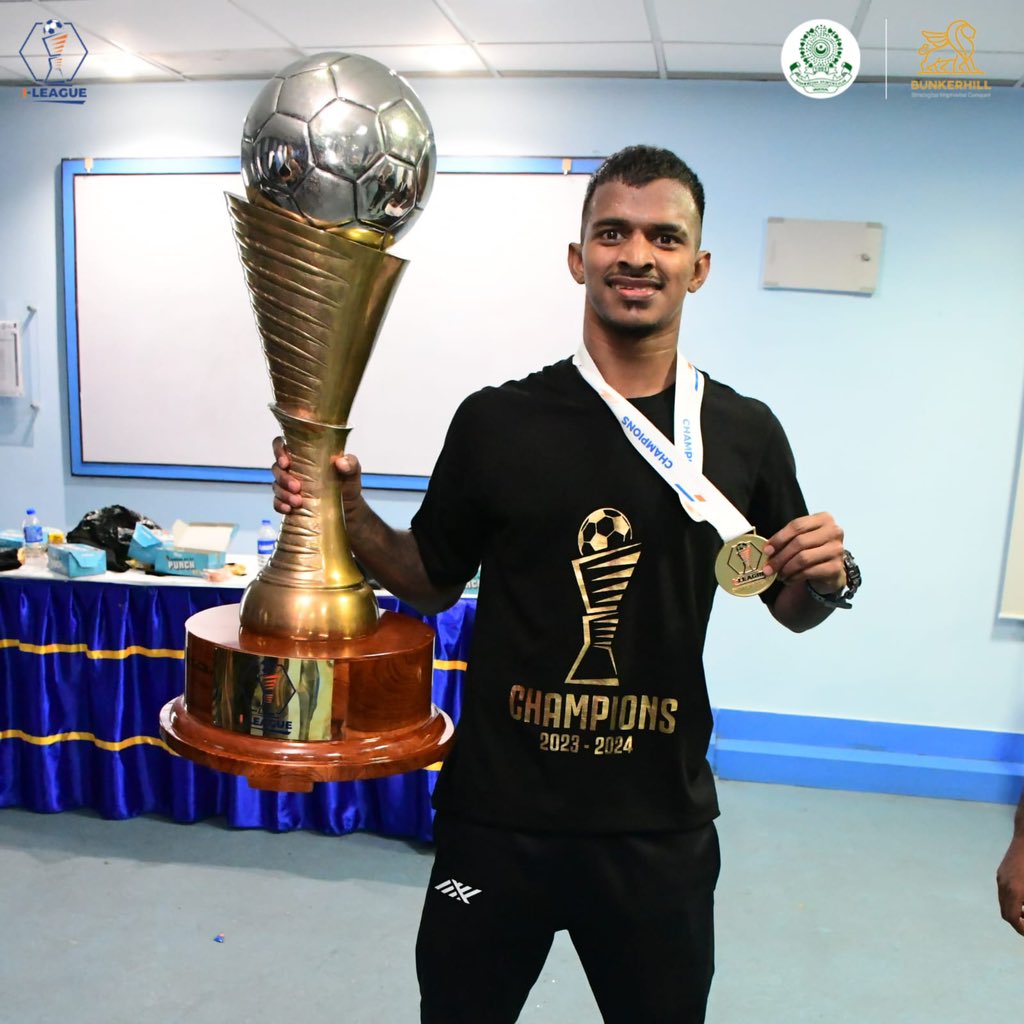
(809, 548)
(1010, 882)
(288, 488)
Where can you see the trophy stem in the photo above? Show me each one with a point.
(313, 547)
(312, 589)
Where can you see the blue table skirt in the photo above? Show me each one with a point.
(85, 669)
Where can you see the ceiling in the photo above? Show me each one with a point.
(186, 40)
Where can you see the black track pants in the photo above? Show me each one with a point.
(638, 908)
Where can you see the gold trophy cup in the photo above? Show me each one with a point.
(306, 681)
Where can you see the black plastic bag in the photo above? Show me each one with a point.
(110, 528)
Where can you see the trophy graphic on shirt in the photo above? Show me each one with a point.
(306, 681)
(602, 574)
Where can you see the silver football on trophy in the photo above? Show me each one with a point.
(343, 142)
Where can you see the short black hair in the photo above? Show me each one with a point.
(640, 165)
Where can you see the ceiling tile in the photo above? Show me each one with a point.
(615, 58)
(11, 72)
(408, 60)
(171, 27)
(105, 67)
(343, 24)
(552, 21)
(751, 22)
(711, 58)
(227, 63)
(872, 63)
(16, 21)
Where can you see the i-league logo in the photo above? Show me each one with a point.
(745, 560)
(820, 59)
(54, 52)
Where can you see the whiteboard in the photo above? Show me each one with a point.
(166, 372)
(1012, 604)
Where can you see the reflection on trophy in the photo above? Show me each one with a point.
(306, 680)
(602, 574)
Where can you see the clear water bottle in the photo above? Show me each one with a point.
(35, 546)
(266, 541)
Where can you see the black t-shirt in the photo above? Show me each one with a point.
(585, 707)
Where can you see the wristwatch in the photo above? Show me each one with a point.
(842, 597)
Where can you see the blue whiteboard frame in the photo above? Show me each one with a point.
(71, 169)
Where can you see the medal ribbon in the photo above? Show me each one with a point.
(679, 465)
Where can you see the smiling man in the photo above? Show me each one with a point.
(638, 269)
(601, 497)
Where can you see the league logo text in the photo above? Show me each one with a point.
(53, 53)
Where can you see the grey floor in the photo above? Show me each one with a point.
(832, 907)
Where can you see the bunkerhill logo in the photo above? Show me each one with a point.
(948, 67)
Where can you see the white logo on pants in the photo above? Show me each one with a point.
(457, 890)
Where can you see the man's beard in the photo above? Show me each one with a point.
(633, 329)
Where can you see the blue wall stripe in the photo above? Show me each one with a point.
(232, 474)
(859, 734)
(155, 471)
(515, 165)
(157, 165)
(391, 482)
(871, 778)
(879, 757)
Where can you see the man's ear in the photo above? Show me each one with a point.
(575, 258)
(701, 269)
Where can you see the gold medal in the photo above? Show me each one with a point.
(738, 567)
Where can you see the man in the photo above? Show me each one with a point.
(578, 795)
(1010, 876)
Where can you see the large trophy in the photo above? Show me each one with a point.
(306, 681)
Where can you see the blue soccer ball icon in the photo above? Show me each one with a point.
(52, 27)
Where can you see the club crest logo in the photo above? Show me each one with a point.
(820, 59)
(607, 559)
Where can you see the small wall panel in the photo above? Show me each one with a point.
(822, 255)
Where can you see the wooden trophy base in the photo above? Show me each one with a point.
(286, 713)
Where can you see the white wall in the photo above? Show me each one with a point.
(904, 409)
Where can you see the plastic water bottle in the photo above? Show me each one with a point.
(35, 547)
(266, 541)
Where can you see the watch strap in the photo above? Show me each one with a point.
(842, 597)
